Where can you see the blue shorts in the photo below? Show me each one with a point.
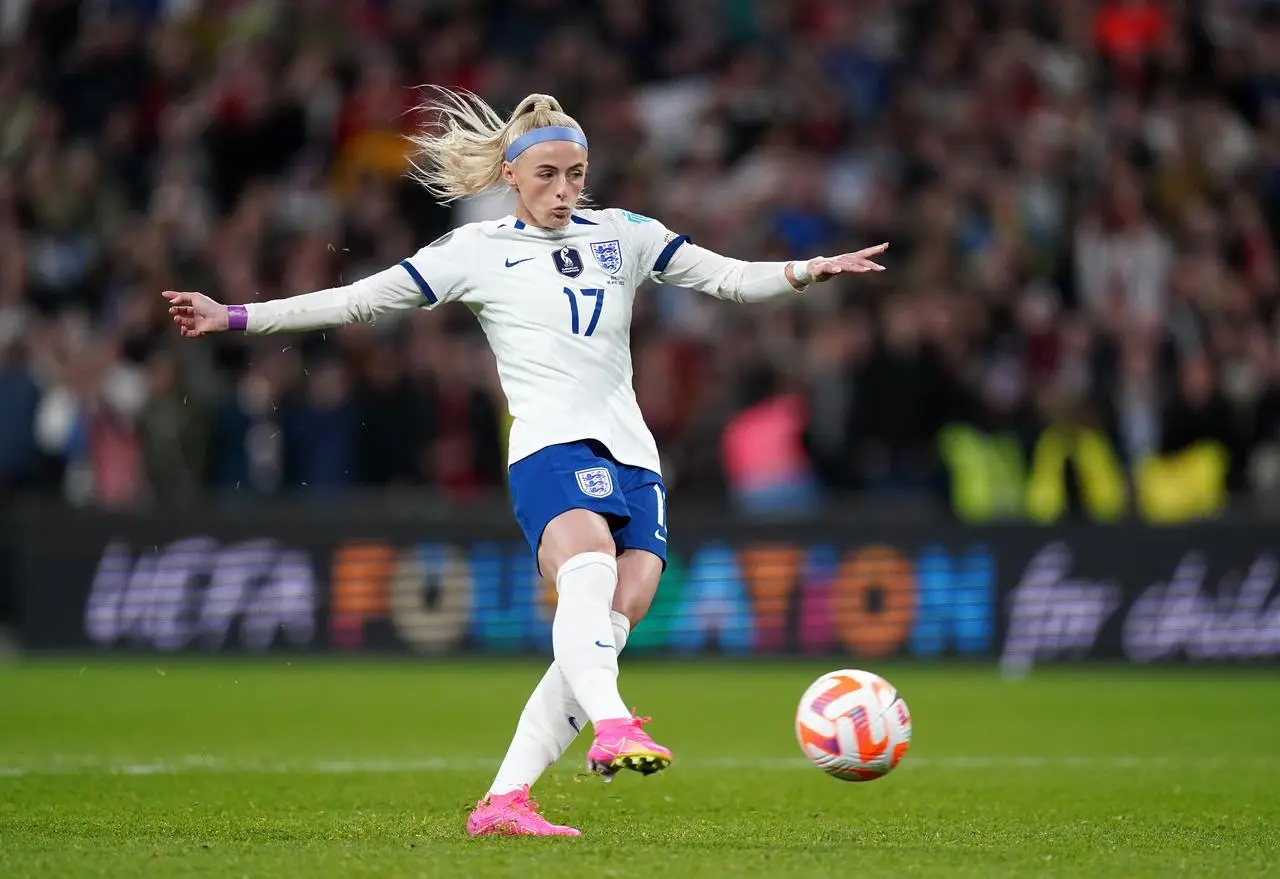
(584, 476)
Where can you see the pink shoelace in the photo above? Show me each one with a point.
(521, 800)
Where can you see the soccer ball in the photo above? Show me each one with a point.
(853, 725)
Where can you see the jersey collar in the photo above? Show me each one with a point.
(573, 218)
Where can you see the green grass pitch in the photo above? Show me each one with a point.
(274, 768)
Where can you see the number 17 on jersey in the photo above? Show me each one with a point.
(596, 293)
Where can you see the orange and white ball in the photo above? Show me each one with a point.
(853, 725)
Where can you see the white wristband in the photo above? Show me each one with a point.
(801, 272)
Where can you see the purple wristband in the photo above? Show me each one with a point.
(237, 317)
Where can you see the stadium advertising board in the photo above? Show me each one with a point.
(283, 579)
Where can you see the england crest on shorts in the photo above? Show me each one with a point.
(595, 482)
(608, 254)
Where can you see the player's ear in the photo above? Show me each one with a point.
(509, 175)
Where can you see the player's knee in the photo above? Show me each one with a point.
(573, 533)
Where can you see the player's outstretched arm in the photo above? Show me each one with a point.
(388, 291)
(740, 281)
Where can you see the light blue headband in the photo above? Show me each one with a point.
(542, 135)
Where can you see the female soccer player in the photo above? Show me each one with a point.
(552, 286)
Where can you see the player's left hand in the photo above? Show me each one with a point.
(196, 314)
(824, 267)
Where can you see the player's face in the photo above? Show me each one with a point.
(548, 179)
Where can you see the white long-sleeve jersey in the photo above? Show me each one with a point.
(555, 305)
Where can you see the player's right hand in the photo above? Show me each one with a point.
(196, 314)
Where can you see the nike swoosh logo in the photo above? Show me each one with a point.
(658, 534)
(605, 646)
(517, 262)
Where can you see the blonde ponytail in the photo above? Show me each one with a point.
(460, 150)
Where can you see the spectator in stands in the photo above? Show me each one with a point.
(1084, 199)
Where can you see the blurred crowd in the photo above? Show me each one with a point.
(1082, 200)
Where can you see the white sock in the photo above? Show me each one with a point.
(621, 628)
(572, 708)
(548, 725)
(582, 634)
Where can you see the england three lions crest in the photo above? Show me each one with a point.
(595, 482)
(608, 254)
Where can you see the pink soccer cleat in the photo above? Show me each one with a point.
(623, 744)
(513, 814)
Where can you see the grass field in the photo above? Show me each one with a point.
(271, 769)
